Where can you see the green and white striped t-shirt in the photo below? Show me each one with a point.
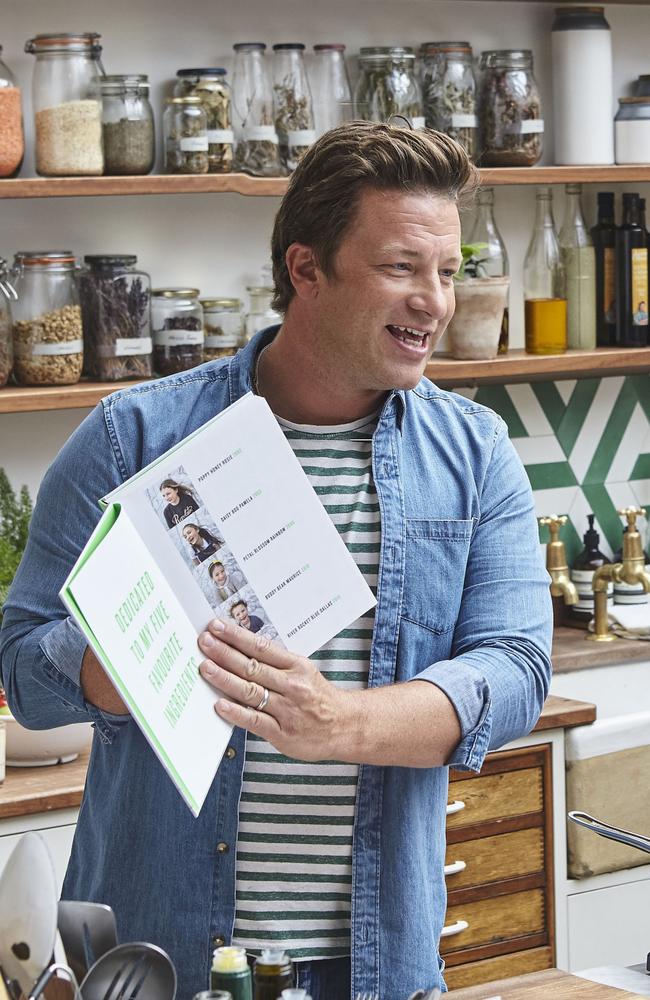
(294, 847)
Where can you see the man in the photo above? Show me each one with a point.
(324, 830)
(239, 612)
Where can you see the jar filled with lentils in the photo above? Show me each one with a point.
(177, 328)
(47, 330)
(449, 91)
(224, 328)
(212, 89)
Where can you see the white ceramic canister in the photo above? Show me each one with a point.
(581, 45)
(632, 130)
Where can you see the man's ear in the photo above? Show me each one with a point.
(303, 270)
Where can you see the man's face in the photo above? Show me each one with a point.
(240, 614)
(393, 273)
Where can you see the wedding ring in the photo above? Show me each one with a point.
(264, 702)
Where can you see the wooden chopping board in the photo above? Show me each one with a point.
(548, 985)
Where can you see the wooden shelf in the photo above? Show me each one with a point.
(516, 366)
(166, 184)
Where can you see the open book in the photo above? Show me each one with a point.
(224, 524)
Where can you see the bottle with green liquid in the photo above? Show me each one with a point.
(579, 259)
(231, 972)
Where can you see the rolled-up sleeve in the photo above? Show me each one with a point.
(499, 673)
(41, 648)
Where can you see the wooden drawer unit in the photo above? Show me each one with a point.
(499, 869)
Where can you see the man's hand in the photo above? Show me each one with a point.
(97, 688)
(305, 717)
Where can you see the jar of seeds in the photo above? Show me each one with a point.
(177, 323)
(211, 87)
(47, 332)
(127, 125)
(185, 128)
(449, 91)
(224, 328)
(256, 140)
(115, 311)
(512, 126)
(67, 104)
(292, 104)
(7, 295)
(387, 85)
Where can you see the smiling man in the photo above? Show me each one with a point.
(324, 830)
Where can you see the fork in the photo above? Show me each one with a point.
(123, 986)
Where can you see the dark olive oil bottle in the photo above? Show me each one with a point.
(603, 235)
(632, 276)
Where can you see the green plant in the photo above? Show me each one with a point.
(473, 264)
(15, 515)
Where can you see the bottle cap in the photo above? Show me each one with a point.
(295, 993)
(229, 959)
(606, 202)
(591, 538)
(273, 956)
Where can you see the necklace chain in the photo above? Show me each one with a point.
(255, 384)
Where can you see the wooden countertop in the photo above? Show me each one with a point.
(548, 985)
(572, 651)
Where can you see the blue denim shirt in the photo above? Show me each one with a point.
(463, 602)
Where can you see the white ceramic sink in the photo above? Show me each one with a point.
(617, 690)
(33, 747)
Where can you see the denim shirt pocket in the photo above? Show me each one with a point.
(437, 551)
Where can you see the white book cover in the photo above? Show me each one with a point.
(239, 534)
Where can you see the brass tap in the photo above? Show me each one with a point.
(556, 564)
(631, 570)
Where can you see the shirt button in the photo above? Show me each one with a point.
(218, 941)
(231, 753)
(222, 848)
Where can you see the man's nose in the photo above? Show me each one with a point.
(430, 297)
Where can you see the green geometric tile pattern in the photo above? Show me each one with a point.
(585, 445)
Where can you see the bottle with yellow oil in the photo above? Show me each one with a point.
(545, 302)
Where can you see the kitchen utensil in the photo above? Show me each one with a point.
(57, 967)
(131, 972)
(28, 909)
(88, 931)
(610, 832)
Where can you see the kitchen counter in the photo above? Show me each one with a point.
(549, 985)
(572, 651)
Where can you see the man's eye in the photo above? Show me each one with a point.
(449, 272)
(401, 266)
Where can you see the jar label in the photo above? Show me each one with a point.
(530, 125)
(177, 338)
(301, 137)
(60, 347)
(194, 144)
(459, 120)
(264, 133)
(418, 122)
(609, 284)
(125, 346)
(224, 135)
(222, 340)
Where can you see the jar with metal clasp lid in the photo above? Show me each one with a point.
(7, 295)
(224, 328)
(127, 125)
(388, 86)
(512, 125)
(12, 142)
(449, 91)
(177, 326)
(47, 330)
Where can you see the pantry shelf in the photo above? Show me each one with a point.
(516, 366)
(165, 184)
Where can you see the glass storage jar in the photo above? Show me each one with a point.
(223, 326)
(256, 140)
(67, 104)
(387, 85)
(632, 130)
(127, 125)
(330, 87)
(292, 105)
(47, 331)
(115, 311)
(449, 91)
(261, 313)
(7, 295)
(185, 128)
(12, 141)
(211, 87)
(512, 126)
(177, 324)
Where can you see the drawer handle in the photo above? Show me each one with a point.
(455, 807)
(451, 929)
(455, 867)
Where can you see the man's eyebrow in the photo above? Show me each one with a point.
(394, 248)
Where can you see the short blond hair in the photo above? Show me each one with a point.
(324, 190)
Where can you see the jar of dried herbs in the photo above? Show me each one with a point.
(210, 86)
(257, 150)
(185, 128)
(224, 328)
(512, 126)
(47, 332)
(115, 311)
(387, 85)
(292, 104)
(449, 91)
(7, 295)
(177, 322)
(127, 125)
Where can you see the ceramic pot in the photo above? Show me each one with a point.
(473, 333)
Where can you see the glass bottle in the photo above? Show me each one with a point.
(449, 91)
(211, 86)
(231, 972)
(512, 127)
(292, 105)
(7, 295)
(330, 87)
(579, 261)
(603, 235)
(127, 125)
(177, 329)
(272, 974)
(544, 284)
(632, 276)
(261, 313)
(494, 256)
(185, 130)
(256, 140)
(582, 574)
(67, 104)
(388, 86)
(12, 140)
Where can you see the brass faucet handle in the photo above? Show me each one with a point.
(631, 513)
(554, 522)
